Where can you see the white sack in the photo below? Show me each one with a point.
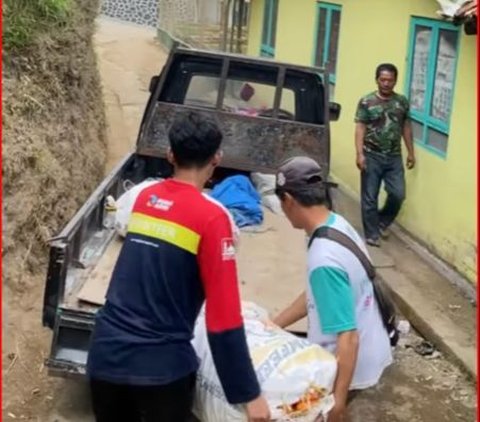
(286, 367)
(265, 185)
(124, 206)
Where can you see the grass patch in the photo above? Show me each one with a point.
(25, 20)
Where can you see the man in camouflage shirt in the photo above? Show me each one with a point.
(382, 119)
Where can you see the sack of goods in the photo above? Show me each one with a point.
(295, 375)
(125, 203)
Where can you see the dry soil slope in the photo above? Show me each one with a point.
(53, 157)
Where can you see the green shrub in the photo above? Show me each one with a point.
(23, 20)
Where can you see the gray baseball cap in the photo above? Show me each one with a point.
(299, 173)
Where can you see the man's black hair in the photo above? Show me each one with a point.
(307, 197)
(194, 139)
(386, 67)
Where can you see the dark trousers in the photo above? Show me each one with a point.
(389, 170)
(128, 403)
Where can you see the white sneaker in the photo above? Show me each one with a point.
(384, 232)
(373, 242)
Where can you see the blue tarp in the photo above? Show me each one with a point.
(239, 196)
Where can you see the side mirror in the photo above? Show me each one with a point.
(153, 84)
(334, 110)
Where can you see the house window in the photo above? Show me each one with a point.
(326, 38)
(432, 62)
(270, 12)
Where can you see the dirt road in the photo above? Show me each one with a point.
(128, 56)
(415, 389)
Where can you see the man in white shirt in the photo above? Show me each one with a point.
(343, 315)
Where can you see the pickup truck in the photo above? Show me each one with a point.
(268, 111)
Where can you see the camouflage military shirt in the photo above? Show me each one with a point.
(384, 119)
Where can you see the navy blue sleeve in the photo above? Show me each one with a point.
(235, 369)
(226, 333)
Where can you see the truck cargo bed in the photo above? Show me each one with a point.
(271, 264)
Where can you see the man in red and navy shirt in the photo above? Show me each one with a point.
(178, 253)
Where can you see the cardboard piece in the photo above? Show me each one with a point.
(95, 287)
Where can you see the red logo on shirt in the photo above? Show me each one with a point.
(228, 249)
(159, 203)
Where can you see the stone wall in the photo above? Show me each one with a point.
(141, 12)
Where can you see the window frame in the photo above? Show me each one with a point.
(424, 117)
(328, 7)
(267, 48)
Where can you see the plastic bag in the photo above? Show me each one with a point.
(286, 366)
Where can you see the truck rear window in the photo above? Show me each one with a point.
(241, 97)
(195, 79)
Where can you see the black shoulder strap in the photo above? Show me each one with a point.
(341, 238)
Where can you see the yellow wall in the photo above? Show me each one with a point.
(440, 209)
(255, 27)
(293, 43)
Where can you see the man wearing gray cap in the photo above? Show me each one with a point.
(343, 315)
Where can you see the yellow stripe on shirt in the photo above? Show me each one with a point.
(164, 230)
